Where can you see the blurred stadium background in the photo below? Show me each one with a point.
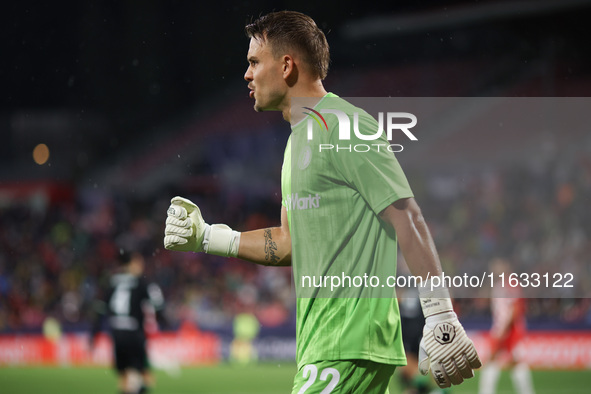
(137, 102)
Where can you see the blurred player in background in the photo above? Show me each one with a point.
(412, 322)
(364, 205)
(127, 302)
(246, 328)
(508, 329)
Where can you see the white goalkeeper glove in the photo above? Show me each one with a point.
(445, 347)
(186, 231)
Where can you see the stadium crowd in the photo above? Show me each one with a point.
(54, 255)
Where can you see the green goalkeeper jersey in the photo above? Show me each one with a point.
(342, 253)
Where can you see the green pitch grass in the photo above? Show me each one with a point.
(229, 379)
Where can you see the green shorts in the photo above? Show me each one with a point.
(343, 376)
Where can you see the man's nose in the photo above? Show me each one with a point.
(248, 75)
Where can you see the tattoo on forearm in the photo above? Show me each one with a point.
(270, 248)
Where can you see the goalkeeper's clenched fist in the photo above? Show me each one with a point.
(186, 231)
(185, 227)
(445, 347)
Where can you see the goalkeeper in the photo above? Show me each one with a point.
(341, 212)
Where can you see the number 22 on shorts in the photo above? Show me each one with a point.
(311, 373)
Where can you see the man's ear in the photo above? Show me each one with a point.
(288, 64)
(290, 70)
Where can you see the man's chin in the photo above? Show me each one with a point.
(260, 108)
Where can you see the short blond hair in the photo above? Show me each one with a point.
(291, 30)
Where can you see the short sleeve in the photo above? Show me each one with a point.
(369, 166)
